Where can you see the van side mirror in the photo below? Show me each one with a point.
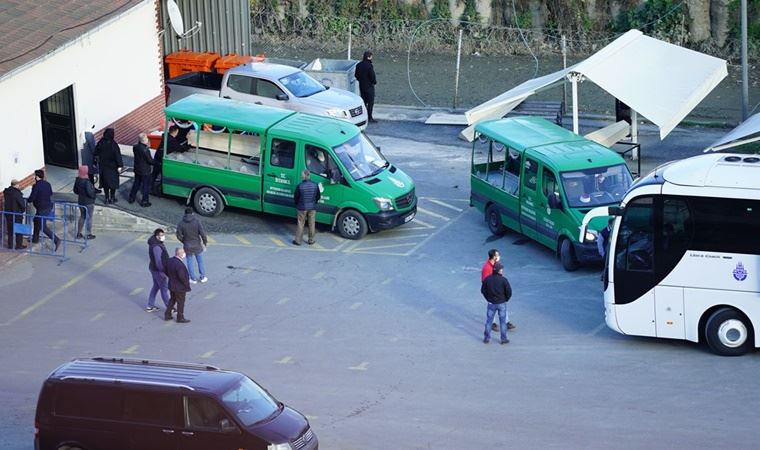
(334, 175)
(227, 427)
(281, 97)
(615, 211)
(554, 201)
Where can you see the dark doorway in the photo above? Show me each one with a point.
(58, 129)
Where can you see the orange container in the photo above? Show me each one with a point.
(184, 61)
(232, 60)
(154, 138)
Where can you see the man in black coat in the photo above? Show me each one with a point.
(13, 202)
(306, 197)
(179, 285)
(109, 159)
(42, 199)
(497, 292)
(143, 163)
(365, 74)
(172, 146)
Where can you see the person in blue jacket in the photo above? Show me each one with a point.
(42, 199)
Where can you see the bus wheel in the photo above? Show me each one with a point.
(352, 225)
(567, 255)
(493, 219)
(728, 333)
(208, 202)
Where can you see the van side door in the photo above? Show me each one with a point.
(281, 175)
(209, 426)
(549, 220)
(152, 419)
(327, 174)
(529, 197)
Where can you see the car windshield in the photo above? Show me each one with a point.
(250, 403)
(301, 84)
(597, 186)
(360, 157)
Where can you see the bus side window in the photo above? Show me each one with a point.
(635, 244)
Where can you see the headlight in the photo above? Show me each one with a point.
(338, 113)
(590, 236)
(384, 204)
(284, 446)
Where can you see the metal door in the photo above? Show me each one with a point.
(58, 129)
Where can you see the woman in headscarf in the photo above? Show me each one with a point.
(109, 161)
(84, 188)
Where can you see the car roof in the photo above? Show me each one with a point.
(232, 114)
(265, 70)
(558, 147)
(191, 377)
(322, 130)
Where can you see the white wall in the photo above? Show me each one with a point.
(114, 69)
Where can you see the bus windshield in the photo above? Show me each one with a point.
(360, 157)
(301, 84)
(250, 403)
(597, 186)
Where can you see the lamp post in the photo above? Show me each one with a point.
(745, 81)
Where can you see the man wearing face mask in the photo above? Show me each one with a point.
(179, 285)
(158, 258)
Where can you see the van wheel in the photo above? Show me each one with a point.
(352, 225)
(208, 202)
(493, 219)
(728, 333)
(567, 255)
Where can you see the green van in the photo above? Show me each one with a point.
(539, 179)
(251, 156)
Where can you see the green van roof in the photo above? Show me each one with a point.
(321, 130)
(232, 114)
(560, 148)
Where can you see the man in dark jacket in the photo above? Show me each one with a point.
(179, 285)
(85, 190)
(172, 146)
(158, 257)
(306, 197)
(88, 157)
(143, 163)
(497, 292)
(42, 199)
(365, 74)
(109, 161)
(191, 233)
(13, 202)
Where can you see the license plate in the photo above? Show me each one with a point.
(409, 218)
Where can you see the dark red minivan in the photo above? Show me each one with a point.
(129, 404)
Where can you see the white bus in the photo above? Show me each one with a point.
(684, 254)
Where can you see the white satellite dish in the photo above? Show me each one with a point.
(175, 17)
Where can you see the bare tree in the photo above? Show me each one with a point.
(719, 19)
(699, 20)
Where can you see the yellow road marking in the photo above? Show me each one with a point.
(210, 296)
(431, 213)
(424, 241)
(444, 204)
(362, 366)
(385, 246)
(276, 241)
(355, 305)
(210, 240)
(168, 323)
(72, 282)
(245, 328)
(424, 224)
(208, 354)
(319, 333)
(398, 235)
(136, 291)
(352, 246)
(282, 301)
(318, 275)
(97, 316)
(131, 350)
(387, 281)
(242, 239)
(337, 238)
(284, 360)
(246, 271)
(317, 246)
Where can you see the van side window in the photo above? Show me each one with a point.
(283, 153)
(318, 161)
(531, 174)
(242, 84)
(481, 157)
(87, 401)
(267, 89)
(205, 413)
(151, 407)
(549, 183)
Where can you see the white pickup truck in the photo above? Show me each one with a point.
(272, 85)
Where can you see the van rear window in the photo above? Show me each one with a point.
(87, 401)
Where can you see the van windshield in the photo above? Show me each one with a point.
(301, 84)
(250, 403)
(360, 157)
(597, 186)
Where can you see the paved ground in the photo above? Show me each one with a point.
(378, 342)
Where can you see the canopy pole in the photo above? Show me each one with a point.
(574, 80)
(635, 135)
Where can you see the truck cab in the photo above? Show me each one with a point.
(539, 179)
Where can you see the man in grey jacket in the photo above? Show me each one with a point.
(194, 241)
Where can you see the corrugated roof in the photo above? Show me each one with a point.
(30, 30)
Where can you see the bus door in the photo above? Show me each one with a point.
(529, 198)
(280, 176)
(549, 219)
(327, 174)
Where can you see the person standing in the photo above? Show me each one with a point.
(13, 205)
(365, 74)
(109, 161)
(194, 241)
(179, 285)
(158, 257)
(493, 257)
(306, 197)
(172, 146)
(88, 157)
(143, 163)
(84, 188)
(42, 199)
(497, 292)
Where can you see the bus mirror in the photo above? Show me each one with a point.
(615, 211)
(554, 201)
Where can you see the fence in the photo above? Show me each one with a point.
(62, 223)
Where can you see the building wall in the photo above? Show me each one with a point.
(116, 72)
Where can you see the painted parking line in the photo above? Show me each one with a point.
(427, 212)
(319, 333)
(208, 354)
(210, 296)
(130, 350)
(285, 360)
(283, 300)
(242, 240)
(355, 306)
(276, 240)
(387, 281)
(136, 291)
(363, 366)
(245, 328)
(97, 316)
(382, 247)
(597, 329)
(444, 204)
(318, 275)
(59, 344)
(420, 222)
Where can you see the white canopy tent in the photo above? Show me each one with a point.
(661, 81)
(743, 134)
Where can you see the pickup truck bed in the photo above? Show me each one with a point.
(194, 83)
